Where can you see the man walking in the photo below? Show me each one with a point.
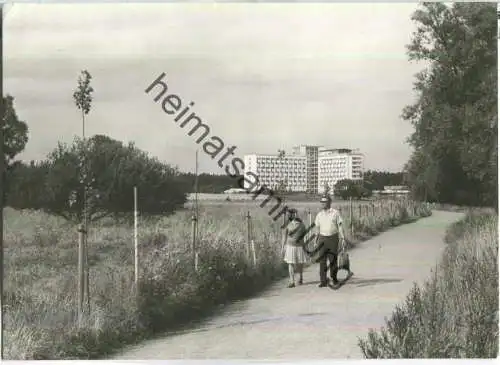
(330, 233)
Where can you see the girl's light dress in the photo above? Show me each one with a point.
(294, 247)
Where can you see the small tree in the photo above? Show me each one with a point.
(282, 186)
(83, 100)
(326, 189)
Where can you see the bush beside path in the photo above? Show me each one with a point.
(455, 313)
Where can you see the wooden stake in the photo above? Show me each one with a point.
(81, 281)
(193, 242)
(248, 217)
(254, 255)
(351, 216)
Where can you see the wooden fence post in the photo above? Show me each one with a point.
(351, 216)
(249, 234)
(193, 243)
(254, 254)
(81, 281)
(86, 276)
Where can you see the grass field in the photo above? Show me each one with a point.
(41, 273)
(455, 314)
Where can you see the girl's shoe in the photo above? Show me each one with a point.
(291, 285)
(301, 281)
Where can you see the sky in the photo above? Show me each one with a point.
(262, 76)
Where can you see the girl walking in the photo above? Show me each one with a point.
(293, 247)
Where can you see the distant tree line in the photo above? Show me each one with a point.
(210, 183)
(55, 183)
(376, 180)
(115, 169)
(373, 180)
(213, 183)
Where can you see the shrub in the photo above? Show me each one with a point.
(455, 314)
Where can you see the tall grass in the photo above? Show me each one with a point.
(41, 276)
(455, 314)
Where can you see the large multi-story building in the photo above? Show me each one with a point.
(277, 172)
(308, 168)
(335, 164)
(311, 153)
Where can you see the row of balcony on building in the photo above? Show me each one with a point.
(308, 168)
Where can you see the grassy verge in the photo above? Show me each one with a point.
(462, 209)
(455, 314)
(41, 276)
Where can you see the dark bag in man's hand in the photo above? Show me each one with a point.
(343, 260)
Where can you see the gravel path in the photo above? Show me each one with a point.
(308, 322)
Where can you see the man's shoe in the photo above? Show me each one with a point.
(349, 275)
(301, 281)
(335, 284)
(291, 285)
(323, 285)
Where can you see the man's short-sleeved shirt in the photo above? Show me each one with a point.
(328, 222)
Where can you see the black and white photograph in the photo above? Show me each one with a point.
(273, 181)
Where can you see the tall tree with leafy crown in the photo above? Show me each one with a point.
(455, 117)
